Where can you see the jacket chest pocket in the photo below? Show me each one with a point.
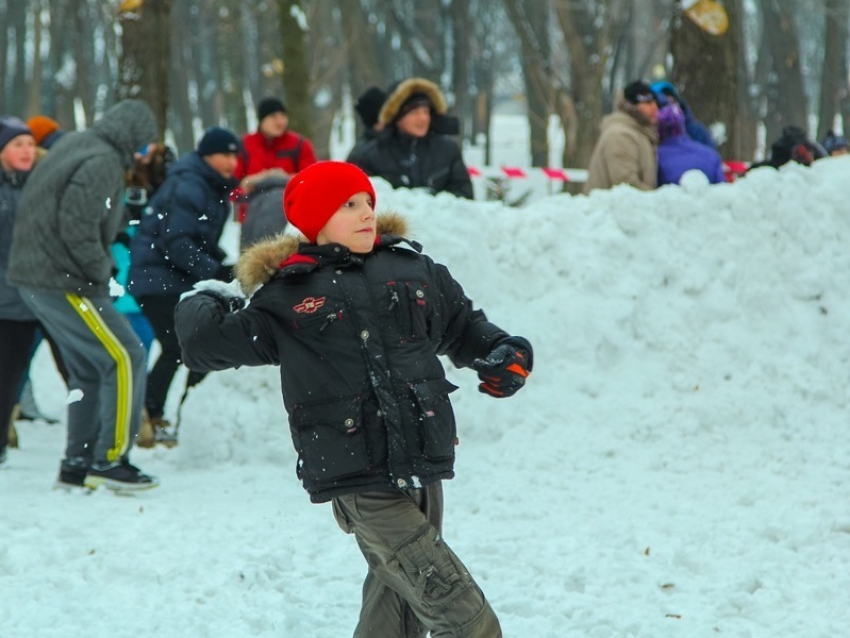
(410, 306)
(330, 440)
(316, 317)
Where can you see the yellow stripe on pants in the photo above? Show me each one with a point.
(91, 317)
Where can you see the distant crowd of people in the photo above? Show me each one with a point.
(653, 138)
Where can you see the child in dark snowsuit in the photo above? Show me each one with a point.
(356, 318)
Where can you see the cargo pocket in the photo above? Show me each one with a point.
(436, 417)
(330, 439)
(435, 576)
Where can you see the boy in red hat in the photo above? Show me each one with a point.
(356, 318)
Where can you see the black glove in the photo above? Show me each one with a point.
(224, 273)
(228, 303)
(504, 370)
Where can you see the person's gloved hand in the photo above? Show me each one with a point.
(503, 372)
(228, 295)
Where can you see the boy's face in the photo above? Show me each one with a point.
(223, 163)
(353, 225)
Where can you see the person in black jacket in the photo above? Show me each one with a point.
(356, 318)
(411, 151)
(177, 245)
(368, 106)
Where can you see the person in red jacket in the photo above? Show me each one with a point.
(273, 151)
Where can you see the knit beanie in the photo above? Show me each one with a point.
(269, 105)
(638, 92)
(369, 104)
(42, 127)
(218, 140)
(414, 101)
(670, 122)
(835, 142)
(10, 128)
(314, 194)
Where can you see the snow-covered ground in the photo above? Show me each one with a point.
(678, 464)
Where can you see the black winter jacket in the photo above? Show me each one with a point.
(356, 338)
(176, 244)
(433, 162)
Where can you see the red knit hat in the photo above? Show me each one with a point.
(42, 126)
(314, 194)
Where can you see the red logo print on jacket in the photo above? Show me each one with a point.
(309, 305)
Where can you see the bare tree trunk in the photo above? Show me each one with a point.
(531, 21)
(17, 22)
(742, 145)
(460, 63)
(4, 44)
(34, 92)
(362, 44)
(329, 63)
(588, 32)
(786, 99)
(145, 56)
(296, 77)
(59, 100)
(834, 80)
(229, 79)
(706, 74)
(181, 110)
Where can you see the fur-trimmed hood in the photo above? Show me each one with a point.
(262, 260)
(411, 86)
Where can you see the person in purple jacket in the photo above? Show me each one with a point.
(678, 153)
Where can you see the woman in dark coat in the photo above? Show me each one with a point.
(410, 152)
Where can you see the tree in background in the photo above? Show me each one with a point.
(70, 59)
(834, 92)
(705, 71)
(296, 76)
(145, 54)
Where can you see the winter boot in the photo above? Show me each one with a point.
(145, 437)
(163, 432)
(13, 433)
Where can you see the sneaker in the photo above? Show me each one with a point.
(120, 477)
(71, 479)
(3, 456)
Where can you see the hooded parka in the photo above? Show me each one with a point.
(433, 162)
(356, 338)
(74, 204)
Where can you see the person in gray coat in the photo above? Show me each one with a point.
(60, 260)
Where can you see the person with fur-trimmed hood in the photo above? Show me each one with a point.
(356, 316)
(625, 152)
(411, 152)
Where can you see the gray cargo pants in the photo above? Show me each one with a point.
(415, 583)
